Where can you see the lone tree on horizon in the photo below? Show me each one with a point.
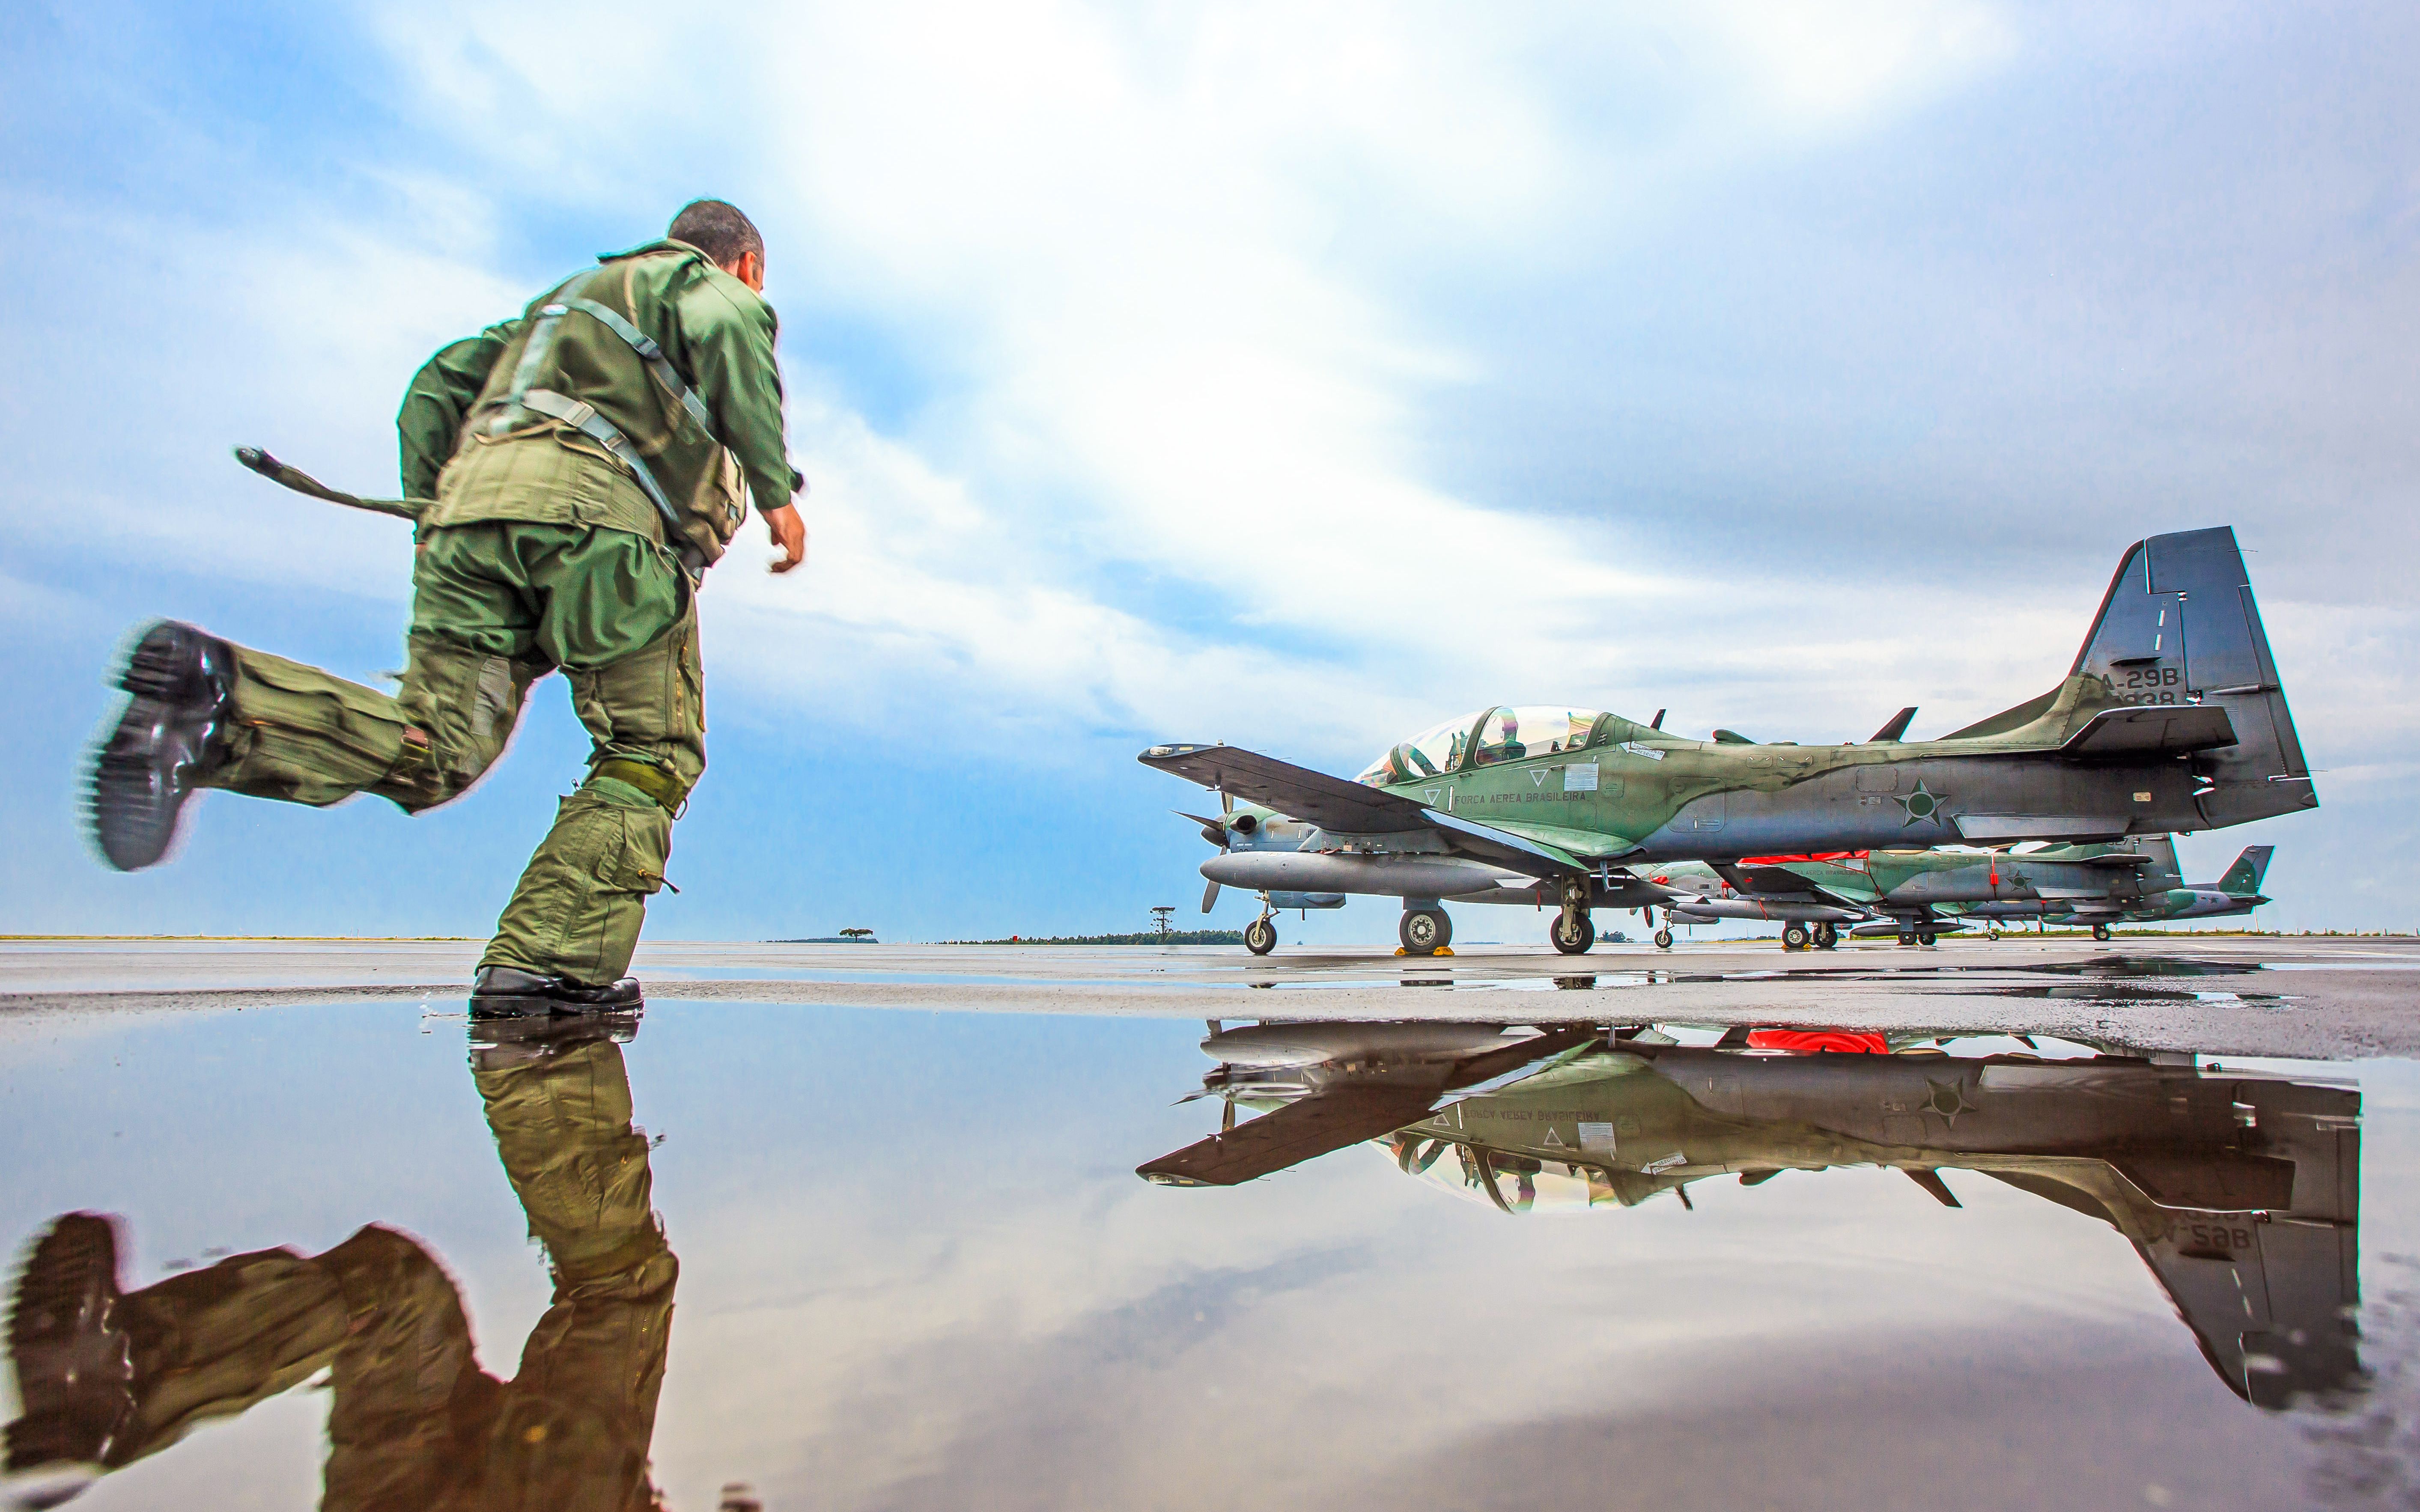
(856, 933)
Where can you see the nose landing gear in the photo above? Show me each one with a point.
(1574, 931)
(1260, 935)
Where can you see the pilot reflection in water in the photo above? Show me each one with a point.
(107, 1380)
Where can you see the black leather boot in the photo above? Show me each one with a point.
(508, 992)
(180, 679)
(74, 1362)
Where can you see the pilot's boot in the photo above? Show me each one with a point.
(508, 992)
(181, 679)
(498, 1041)
(71, 1350)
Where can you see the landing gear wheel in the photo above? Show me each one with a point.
(1663, 939)
(1925, 937)
(1260, 936)
(1424, 931)
(1794, 937)
(1576, 941)
(1827, 937)
(2100, 932)
(1907, 936)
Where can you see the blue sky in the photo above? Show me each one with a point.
(1288, 376)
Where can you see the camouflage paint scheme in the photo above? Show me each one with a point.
(2171, 719)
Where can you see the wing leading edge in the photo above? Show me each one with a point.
(1332, 803)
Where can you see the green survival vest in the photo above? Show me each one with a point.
(579, 365)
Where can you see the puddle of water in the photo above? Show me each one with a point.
(864, 1259)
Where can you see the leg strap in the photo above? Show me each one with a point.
(657, 783)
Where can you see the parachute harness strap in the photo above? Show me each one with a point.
(527, 398)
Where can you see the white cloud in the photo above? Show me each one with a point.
(1138, 248)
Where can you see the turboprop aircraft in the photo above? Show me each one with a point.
(2240, 1190)
(1919, 895)
(2158, 898)
(2171, 718)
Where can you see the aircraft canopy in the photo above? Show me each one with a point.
(1503, 734)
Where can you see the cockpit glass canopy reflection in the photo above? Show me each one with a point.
(1504, 734)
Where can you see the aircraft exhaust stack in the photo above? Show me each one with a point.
(2179, 626)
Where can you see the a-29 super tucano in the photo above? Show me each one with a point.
(2171, 719)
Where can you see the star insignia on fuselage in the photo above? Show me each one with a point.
(1922, 805)
(1948, 1099)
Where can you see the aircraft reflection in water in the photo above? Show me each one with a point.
(106, 1379)
(2239, 1189)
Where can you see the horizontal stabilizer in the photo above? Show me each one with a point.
(1895, 730)
(1296, 1132)
(2131, 733)
(1332, 803)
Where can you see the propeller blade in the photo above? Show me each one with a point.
(1213, 830)
(1209, 896)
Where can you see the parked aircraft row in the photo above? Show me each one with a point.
(2171, 719)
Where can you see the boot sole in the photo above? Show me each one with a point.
(135, 797)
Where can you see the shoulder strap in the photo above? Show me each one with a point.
(649, 353)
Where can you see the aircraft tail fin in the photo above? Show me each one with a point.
(2178, 626)
(2161, 851)
(2242, 879)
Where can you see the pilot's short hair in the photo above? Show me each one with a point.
(717, 228)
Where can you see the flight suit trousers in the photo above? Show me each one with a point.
(496, 605)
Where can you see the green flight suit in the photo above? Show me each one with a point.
(541, 549)
(413, 1424)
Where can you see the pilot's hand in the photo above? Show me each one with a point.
(789, 532)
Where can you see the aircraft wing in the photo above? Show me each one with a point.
(1348, 808)
(1332, 803)
(1763, 881)
(1328, 1119)
(1345, 1113)
(1780, 882)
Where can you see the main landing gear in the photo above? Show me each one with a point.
(1918, 936)
(1260, 935)
(1424, 931)
(2100, 932)
(1824, 937)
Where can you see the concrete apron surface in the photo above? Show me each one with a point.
(2318, 997)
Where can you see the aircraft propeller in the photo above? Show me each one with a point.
(1214, 831)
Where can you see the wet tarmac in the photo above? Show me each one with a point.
(865, 1226)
